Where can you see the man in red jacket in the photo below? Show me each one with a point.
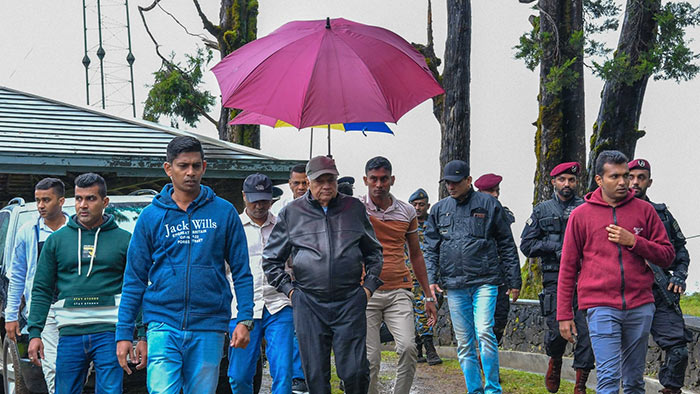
(608, 243)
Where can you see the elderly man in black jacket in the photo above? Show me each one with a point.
(329, 238)
(468, 247)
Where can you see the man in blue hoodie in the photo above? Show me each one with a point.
(176, 274)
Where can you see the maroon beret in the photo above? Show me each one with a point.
(571, 167)
(488, 181)
(641, 164)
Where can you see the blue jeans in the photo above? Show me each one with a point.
(73, 361)
(620, 340)
(278, 331)
(187, 360)
(471, 310)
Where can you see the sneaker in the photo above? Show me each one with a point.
(299, 386)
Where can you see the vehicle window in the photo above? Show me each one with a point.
(126, 213)
(4, 224)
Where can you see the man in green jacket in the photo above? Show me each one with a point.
(84, 263)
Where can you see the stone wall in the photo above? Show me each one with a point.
(525, 333)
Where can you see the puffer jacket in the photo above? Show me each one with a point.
(469, 243)
(327, 249)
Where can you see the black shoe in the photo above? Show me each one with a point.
(299, 386)
(430, 352)
(419, 347)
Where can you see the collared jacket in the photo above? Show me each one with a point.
(605, 273)
(328, 249)
(23, 265)
(543, 234)
(469, 243)
(264, 295)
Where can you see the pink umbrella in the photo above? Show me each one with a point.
(308, 73)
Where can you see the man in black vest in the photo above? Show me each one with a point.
(543, 237)
(668, 327)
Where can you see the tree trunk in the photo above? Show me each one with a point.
(560, 134)
(238, 26)
(621, 102)
(454, 120)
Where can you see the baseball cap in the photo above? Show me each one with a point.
(455, 171)
(320, 165)
(257, 187)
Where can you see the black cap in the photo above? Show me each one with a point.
(455, 171)
(276, 193)
(257, 187)
(346, 179)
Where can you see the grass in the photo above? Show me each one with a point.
(690, 304)
(512, 381)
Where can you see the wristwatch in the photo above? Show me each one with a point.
(248, 324)
(429, 299)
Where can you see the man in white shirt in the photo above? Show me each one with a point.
(272, 316)
(49, 195)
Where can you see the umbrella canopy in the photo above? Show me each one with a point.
(247, 117)
(310, 73)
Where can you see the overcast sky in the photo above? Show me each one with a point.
(42, 47)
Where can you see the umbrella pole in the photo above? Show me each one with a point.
(329, 141)
(311, 143)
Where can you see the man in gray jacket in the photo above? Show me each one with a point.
(468, 247)
(329, 237)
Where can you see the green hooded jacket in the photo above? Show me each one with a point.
(86, 268)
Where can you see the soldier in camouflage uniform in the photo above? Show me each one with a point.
(491, 184)
(668, 327)
(424, 333)
(543, 237)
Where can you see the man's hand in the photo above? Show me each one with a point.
(12, 330)
(435, 288)
(367, 293)
(620, 236)
(36, 351)
(125, 348)
(514, 293)
(141, 354)
(676, 285)
(290, 296)
(241, 336)
(431, 311)
(567, 329)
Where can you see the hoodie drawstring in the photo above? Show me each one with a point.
(80, 251)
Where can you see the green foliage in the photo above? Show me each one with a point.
(532, 280)
(561, 77)
(690, 304)
(176, 91)
(669, 57)
(528, 383)
(529, 48)
(599, 16)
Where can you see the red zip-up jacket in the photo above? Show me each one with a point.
(609, 274)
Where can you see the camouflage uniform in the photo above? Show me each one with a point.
(421, 318)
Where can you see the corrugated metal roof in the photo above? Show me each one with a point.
(33, 124)
(43, 128)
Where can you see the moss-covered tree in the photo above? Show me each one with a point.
(177, 90)
(452, 109)
(652, 43)
(557, 44)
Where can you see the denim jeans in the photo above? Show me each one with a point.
(297, 371)
(471, 310)
(75, 352)
(187, 360)
(278, 331)
(620, 340)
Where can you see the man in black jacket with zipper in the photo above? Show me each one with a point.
(329, 237)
